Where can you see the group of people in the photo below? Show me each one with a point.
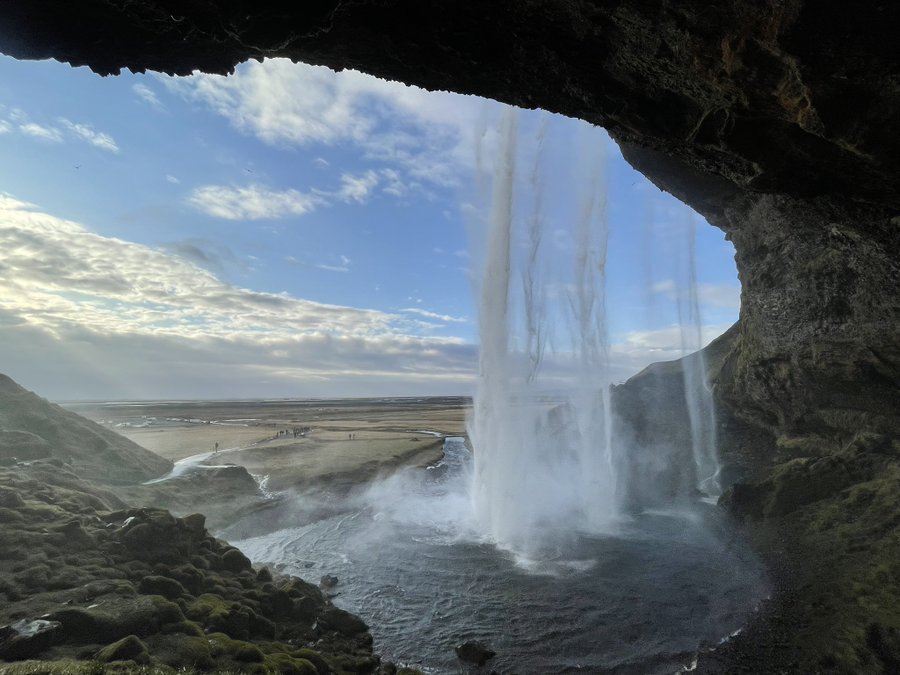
(297, 432)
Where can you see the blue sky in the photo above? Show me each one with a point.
(289, 231)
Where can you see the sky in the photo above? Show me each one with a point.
(288, 231)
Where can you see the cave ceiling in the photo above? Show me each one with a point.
(710, 100)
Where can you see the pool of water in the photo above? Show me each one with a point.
(410, 561)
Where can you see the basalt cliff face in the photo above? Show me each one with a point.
(778, 120)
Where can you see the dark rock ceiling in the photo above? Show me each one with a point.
(799, 98)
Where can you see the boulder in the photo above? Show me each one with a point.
(27, 639)
(164, 586)
(129, 648)
(235, 561)
(341, 621)
(474, 652)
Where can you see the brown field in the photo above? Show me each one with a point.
(352, 439)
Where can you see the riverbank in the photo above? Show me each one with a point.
(233, 458)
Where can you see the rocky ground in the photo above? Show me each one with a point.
(829, 526)
(82, 576)
(820, 506)
(90, 583)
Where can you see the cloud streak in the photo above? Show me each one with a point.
(86, 133)
(49, 134)
(147, 95)
(252, 202)
(446, 318)
(18, 120)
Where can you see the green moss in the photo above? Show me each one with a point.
(182, 650)
(222, 645)
(184, 628)
(68, 667)
(288, 665)
(208, 607)
(843, 550)
(129, 648)
(313, 657)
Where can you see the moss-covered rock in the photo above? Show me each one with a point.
(116, 617)
(341, 621)
(235, 561)
(164, 586)
(289, 665)
(129, 648)
(26, 639)
(130, 577)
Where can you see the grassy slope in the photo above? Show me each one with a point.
(33, 428)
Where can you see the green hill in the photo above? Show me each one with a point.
(33, 428)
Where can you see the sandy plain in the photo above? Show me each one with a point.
(293, 442)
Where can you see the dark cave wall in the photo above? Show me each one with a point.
(819, 353)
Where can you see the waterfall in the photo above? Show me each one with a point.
(697, 389)
(541, 432)
(547, 465)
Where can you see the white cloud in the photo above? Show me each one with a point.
(172, 179)
(147, 95)
(395, 185)
(723, 296)
(344, 265)
(96, 138)
(124, 316)
(426, 135)
(55, 134)
(253, 202)
(357, 188)
(434, 315)
(718, 296)
(50, 134)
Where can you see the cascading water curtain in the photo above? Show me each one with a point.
(540, 429)
(697, 388)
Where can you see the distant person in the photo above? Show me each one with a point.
(217, 446)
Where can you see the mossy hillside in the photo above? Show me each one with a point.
(160, 591)
(33, 428)
(831, 526)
